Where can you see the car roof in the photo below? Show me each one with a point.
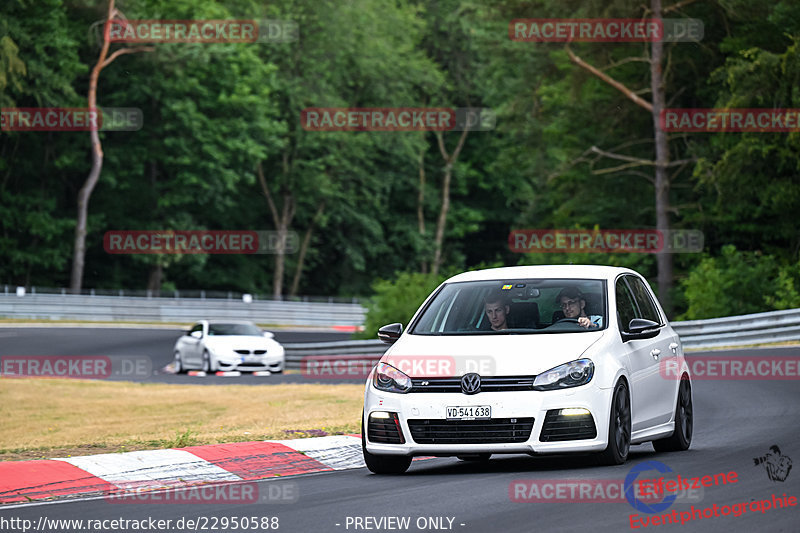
(543, 272)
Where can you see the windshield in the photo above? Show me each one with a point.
(500, 307)
(234, 329)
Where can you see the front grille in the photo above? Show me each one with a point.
(385, 430)
(242, 352)
(492, 431)
(559, 427)
(488, 384)
(259, 352)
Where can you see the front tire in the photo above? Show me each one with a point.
(619, 428)
(681, 438)
(383, 464)
(178, 363)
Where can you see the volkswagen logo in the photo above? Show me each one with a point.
(471, 383)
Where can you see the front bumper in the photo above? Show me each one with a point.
(245, 365)
(505, 405)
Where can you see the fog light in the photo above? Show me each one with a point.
(573, 411)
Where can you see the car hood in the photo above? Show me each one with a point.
(243, 342)
(489, 355)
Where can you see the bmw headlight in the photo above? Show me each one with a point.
(572, 374)
(388, 379)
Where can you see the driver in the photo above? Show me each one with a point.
(573, 304)
(497, 308)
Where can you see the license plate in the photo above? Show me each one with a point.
(469, 412)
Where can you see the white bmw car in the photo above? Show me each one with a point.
(532, 359)
(228, 345)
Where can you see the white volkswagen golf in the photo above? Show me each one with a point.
(533, 359)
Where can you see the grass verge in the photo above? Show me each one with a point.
(47, 418)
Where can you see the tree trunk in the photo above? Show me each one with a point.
(421, 203)
(280, 265)
(155, 278)
(663, 259)
(441, 223)
(282, 221)
(79, 254)
(661, 180)
(85, 193)
(301, 256)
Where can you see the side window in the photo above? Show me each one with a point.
(626, 310)
(647, 308)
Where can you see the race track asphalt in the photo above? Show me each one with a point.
(735, 422)
(152, 346)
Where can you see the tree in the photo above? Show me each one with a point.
(34, 227)
(347, 56)
(661, 181)
(85, 192)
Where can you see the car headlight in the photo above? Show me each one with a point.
(572, 374)
(387, 378)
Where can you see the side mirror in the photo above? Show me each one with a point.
(390, 333)
(640, 328)
(269, 335)
(196, 334)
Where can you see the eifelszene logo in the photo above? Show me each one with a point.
(778, 466)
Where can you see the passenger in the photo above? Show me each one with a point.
(497, 308)
(573, 305)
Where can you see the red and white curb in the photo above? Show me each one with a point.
(26, 481)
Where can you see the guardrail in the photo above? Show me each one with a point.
(774, 326)
(742, 330)
(352, 351)
(184, 293)
(183, 310)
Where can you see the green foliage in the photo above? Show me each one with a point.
(397, 300)
(214, 112)
(787, 294)
(12, 69)
(734, 283)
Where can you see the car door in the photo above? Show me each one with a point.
(648, 387)
(663, 350)
(193, 345)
